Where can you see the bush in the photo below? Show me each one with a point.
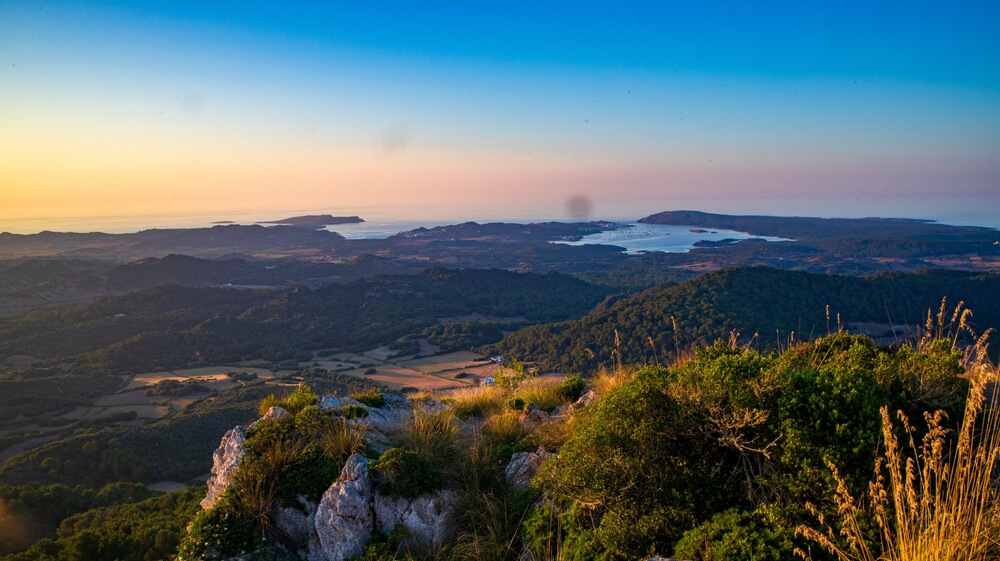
(351, 411)
(572, 387)
(645, 470)
(225, 529)
(370, 398)
(370, 371)
(403, 473)
(296, 401)
(300, 455)
(516, 403)
(736, 534)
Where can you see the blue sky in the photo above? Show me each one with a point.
(476, 109)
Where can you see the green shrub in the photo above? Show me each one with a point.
(548, 533)
(299, 399)
(829, 412)
(351, 411)
(572, 387)
(736, 534)
(644, 466)
(224, 529)
(516, 403)
(403, 473)
(370, 398)
(300, 455)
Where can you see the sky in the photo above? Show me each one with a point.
(478, 110)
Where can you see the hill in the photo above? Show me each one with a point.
(771, 302)
(811, 228)
(316, 220)
(174, 326)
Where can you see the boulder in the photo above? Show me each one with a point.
(225, 460)
(428, 519)
(344, 518)
(296, 523)
(534, 416)
(523, 466)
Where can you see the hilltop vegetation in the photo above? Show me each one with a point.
(770, 303)
(714, 458)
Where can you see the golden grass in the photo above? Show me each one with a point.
(504, 426)
(341, 440)
(476, 402)
(607, 380)
(432, 435)
(542, 392)
(931, 503)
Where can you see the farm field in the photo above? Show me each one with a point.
(212, 376)
(431, 373)
(449, 361)
(397, 377)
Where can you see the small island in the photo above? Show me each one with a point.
(316, 220)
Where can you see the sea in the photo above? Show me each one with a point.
(641, 238)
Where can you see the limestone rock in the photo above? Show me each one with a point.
(328, 402)
(523, 466)
(274, 412)
(428, 519)
(344, 517)
(225, 460)
(533, 415)
(296, 523)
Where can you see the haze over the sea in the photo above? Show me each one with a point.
(128, 111)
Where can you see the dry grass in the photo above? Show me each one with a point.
(542, 392)
(504, 426)
(341, 440)
(931, 503)
(476, 402)
(607, 380)
(432, 435)
(553, 434)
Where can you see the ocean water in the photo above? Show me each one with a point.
(640, 238)
(377, 228)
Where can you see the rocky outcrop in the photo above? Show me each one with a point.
(428, 519)
(344, 518)
(523, 466)
(225, 460)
